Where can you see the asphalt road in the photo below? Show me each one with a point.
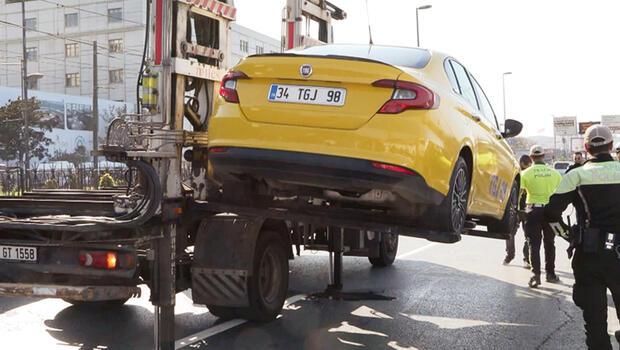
(444, 297)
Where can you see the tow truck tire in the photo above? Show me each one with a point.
(387, 250)
(223, 312)
(268, 285)
(510, 221)
(100, 304)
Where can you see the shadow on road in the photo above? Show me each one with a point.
(126, 327)
(436, 307)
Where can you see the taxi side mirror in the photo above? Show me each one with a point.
(512, 128)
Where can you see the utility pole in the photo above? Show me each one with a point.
(25, 98)
(417, 21)
(504, 93)
(95, 114)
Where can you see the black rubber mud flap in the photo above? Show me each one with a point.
(223, 259)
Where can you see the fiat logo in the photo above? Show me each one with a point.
(305, 70)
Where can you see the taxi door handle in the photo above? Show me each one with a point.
(471, 115)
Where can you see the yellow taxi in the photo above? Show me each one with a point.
(406, 131)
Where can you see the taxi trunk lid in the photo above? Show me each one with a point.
(346, 77)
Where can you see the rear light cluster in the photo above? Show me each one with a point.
(406, 95)
(228, 87)
(392, 168)
(107, 260)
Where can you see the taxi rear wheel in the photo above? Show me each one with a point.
(451, 215)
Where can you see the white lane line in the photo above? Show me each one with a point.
(223, 327)
(209, 332)
(416, 251)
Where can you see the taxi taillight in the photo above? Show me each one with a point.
(228, 86)
(406, 95)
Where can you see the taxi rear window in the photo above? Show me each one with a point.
(393, 55)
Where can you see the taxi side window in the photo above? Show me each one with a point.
(451, 77)
(465, 86)
(485, 105)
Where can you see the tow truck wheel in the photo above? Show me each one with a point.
(223, 312)
(387, 250)
(100, 304)
(268, 285)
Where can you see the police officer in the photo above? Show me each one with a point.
(539, 181)
(577, 161)
(596, 238)
(524, 162)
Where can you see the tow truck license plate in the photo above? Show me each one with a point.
(313, 95)
(16, 253)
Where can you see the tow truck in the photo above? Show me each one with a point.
(96, 247)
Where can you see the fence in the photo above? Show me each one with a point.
(83, 178)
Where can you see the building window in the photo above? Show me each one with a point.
(31, 23)
(72, 50)
(115, 15)
(71, 20)
(72, 79)
(115, 45)
(243, 45)
(116, 76)
(260, 50)
(31, 53)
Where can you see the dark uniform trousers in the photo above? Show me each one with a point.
(510, 246)
(594, 274)
(538, 231)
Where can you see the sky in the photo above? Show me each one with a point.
(564, 55)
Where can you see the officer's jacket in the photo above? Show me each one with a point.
(539, 181)
(597, 183)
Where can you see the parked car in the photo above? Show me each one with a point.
(404, 130)
(561, 166)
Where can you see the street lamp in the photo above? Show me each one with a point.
(33, 78)
(504, 92)
(417, 20)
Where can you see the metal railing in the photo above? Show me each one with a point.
(80, 178)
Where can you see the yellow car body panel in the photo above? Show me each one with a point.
(426, 141)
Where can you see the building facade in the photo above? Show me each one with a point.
(245, 41)
(60, 45)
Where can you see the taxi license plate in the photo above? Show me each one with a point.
(16, 253)
(312, 95)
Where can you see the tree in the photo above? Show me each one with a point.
(79, 156)
(13, 133)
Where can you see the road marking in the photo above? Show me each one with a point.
(416, 251)
(223, 327)
(460, 323)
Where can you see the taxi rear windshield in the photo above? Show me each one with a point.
(393, 55)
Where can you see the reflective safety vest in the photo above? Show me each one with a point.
(539, 181)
